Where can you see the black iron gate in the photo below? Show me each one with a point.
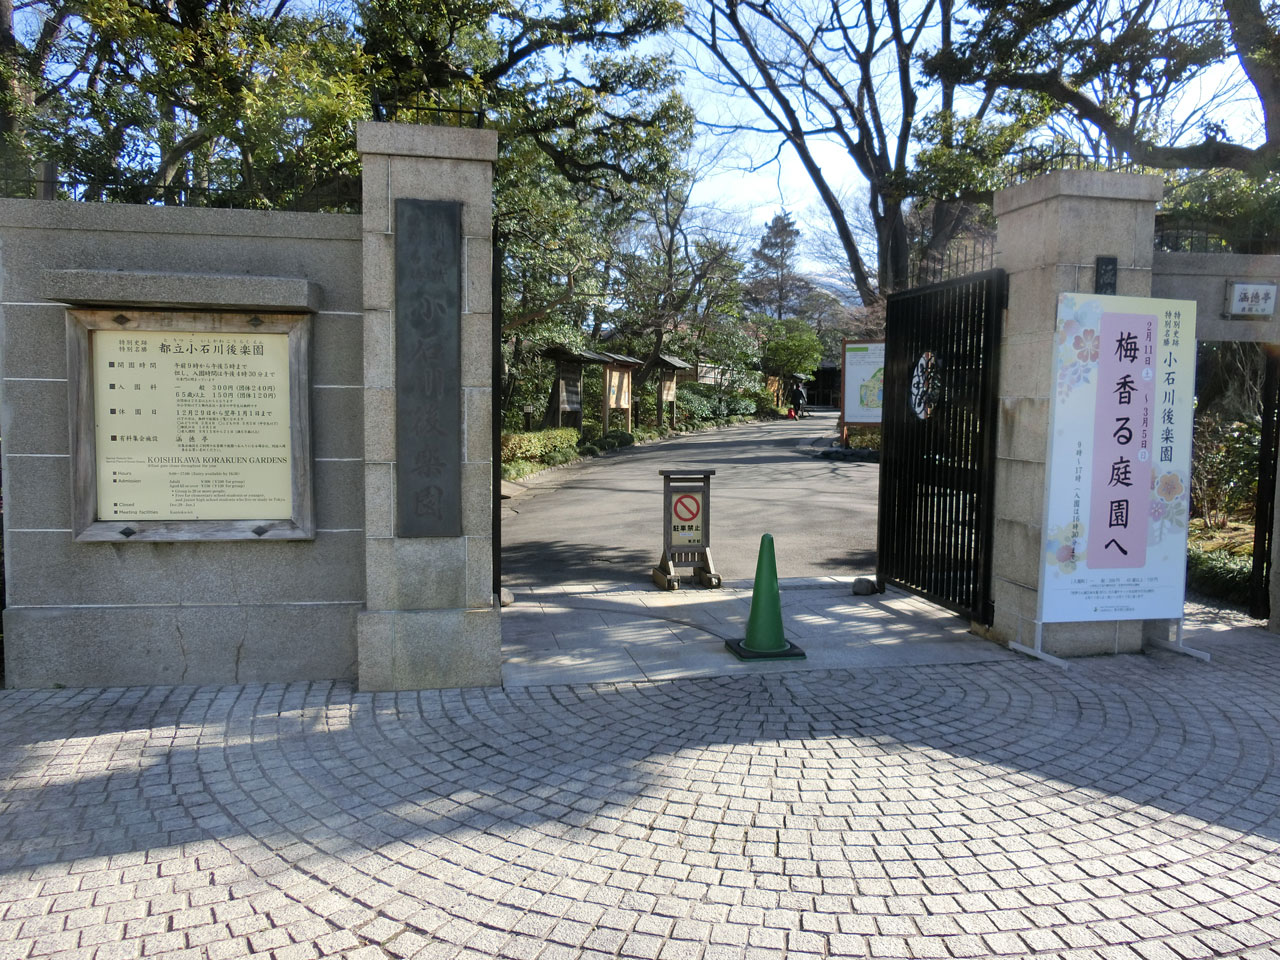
(1265, 498)
(938, 448)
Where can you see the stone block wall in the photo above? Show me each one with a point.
(1202, 277)
(196, 612)
(432, 619)
(1050, 232)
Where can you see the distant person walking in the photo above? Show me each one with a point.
(797, 401)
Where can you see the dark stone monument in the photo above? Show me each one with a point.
(428, 319)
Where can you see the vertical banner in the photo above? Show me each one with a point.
(862, 383)
(1117, 489)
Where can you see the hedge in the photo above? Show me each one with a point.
(543, 446)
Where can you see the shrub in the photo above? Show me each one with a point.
(589, 450)
(864, 438)
(557, 457)
(1219, 574)
(620, 438)
(708, 403)
(515, 469)
(765, 403)
(1224, 468)
(691, 404)
(542, 446)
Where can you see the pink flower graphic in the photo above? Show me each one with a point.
(1086, 346)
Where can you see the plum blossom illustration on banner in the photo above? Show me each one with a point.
(1077, 344)
(1064, 547)
(1168, 504)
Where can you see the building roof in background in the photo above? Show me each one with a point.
(566, 355)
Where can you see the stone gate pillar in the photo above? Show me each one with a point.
(1051, 233)
(431, 619)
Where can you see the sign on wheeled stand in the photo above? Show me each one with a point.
(686, 535)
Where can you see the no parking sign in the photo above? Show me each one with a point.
(686, 535)
(686, 519)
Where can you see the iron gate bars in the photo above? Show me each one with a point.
(938, 446)
(1265, 498)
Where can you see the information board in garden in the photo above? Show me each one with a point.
(863, 381)
(1118, 470)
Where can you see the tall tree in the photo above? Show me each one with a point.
(842, 72)
(672, 274)
(146, 99)
(775, 287)
(152, 99)
(1138, 73)
(564, 74)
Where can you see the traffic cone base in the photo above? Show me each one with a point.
(764, 640)
(739, 649)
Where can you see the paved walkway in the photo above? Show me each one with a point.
(1125, 808)
(595, 633)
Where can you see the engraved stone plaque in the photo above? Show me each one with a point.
(428, 322)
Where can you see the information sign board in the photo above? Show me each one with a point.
(669, 389)
(570, 387)
(1251, 299)
(191, 426)
(1118, 469)
(863, 381)
(617, 387)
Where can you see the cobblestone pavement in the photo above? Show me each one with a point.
(1124, 808)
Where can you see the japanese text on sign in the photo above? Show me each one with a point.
(192, 426)
(1251, 299)
(1118, 460)
(686, 519)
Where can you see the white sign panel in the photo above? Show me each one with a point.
(863, 383)
(1118, 472)
(1251, 299)
(192, 426)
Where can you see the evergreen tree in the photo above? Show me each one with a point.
(775, 286)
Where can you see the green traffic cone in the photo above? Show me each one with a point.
(764, 639)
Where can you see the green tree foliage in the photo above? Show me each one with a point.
(147, 100)
(647, 278)
(1232, 211)
(833, 322)
(1224, 468)
(564, 75)
(675, 288)
(791, 348)
(165, 100)
(1138, 74)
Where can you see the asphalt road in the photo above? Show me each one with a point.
(601, 520)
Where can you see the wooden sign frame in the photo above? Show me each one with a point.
(87, 527)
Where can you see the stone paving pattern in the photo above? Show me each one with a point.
(595, 632)
(1124, 808)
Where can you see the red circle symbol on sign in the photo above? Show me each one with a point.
(686, 508)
